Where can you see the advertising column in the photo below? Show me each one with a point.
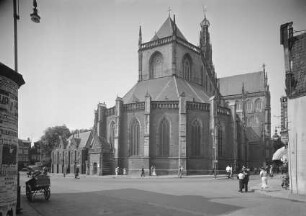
(10, 81)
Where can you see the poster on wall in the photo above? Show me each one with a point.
(9, 154)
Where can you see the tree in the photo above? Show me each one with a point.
(51, 137)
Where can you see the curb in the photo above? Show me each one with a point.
(275, 190)
(26, 208)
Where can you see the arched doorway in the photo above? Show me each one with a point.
(95, 169)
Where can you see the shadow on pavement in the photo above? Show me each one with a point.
(128, 202)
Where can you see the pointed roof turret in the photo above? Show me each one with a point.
(205, 22)
(167, 29)
(140, 37)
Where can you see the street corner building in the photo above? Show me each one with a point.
(294, 44)
(176, 115)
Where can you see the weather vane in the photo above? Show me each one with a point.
(204, 10)
(169, 10)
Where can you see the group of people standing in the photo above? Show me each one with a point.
(243, 177)
(117, 169)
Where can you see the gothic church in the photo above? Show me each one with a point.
(173, 116)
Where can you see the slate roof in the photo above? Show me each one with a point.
(232, 85)
(167, 30)
(166, 88)
(100, 143)
(81, 139)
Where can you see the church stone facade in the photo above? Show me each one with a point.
(174, 115)
(250, 92)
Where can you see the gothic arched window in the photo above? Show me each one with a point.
(112, 134)
(220, 141)
(258, 105)
(134, 138)
(238, 105)
(156, 65)
(164, 138)
(249, 106)
(187, 68)
(195, 138)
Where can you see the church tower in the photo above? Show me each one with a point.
(205, 44)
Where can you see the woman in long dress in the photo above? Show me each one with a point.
(264, 178)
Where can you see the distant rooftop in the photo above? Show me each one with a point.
(232, 85)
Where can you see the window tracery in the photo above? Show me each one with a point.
(134, 138)
(187, 68)
(156, 65)
(164, 138)
(258, 105)
(195, 138)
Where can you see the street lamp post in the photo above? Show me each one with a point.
(35, 18)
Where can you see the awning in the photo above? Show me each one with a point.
(280, 154)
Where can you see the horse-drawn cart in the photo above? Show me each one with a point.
(38, 184)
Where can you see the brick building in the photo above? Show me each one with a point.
(174, 115)
(71, 154)
(250, 92)
(294, 43)
(80, 148)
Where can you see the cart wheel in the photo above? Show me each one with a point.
(29, 193)
(47, 193)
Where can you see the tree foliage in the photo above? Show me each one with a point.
(51, 137)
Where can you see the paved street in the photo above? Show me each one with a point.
(158, 196)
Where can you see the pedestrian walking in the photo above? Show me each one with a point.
(264, 178)
(142, 172)
(76, 175)
(228, 171)
(285, 181)
(124, 171)
(116, 171)
(180, 171)
(240, 177)
(154, 171)
(246, 178)
(271, 170)
(231, 171)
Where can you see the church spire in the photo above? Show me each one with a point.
(140, 37)
(205, 39)
(174, 25)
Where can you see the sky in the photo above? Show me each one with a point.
(85, 52)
